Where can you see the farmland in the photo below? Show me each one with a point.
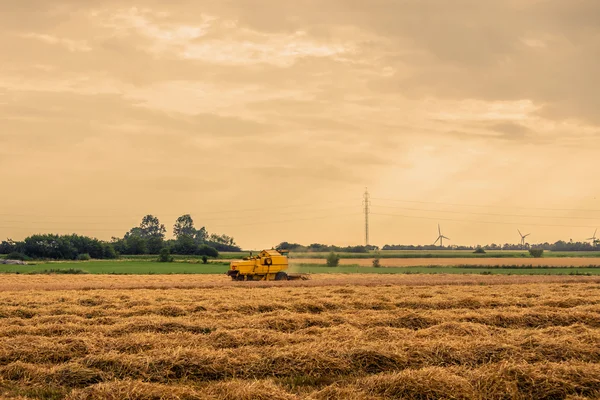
(448, 262)
(383, 254)
(190, 265)
(351, 336)
(119, 267)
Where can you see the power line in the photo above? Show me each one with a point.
(485, 206)
(200, 219)
(488, 214)
(219, 225)
(59, 229)
(292, 220)
(481, 222)
(173, 215)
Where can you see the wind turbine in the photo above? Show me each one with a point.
(593, 238)
(523, 238)
(440, 238)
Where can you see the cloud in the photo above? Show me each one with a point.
(304, 174)
(101, 99)
(492, 59)
(70, 44)
(217, 41)
(510, 130)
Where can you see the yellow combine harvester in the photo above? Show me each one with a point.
(268, 265)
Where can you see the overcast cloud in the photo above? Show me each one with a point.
(114, 109)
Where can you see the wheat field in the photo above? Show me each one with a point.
(334, 337)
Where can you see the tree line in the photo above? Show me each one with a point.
(318, 247)
(560, 245)
(147, 238)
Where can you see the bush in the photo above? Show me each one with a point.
(376, 263)
(17, 256)
(84, 257)
(479, 250)
(537, 253)
(184, 245)
(109, 251)
(165, 255)
(204, 250)
(204, 260)
(333, 260)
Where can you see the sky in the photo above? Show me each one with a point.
(267, 119)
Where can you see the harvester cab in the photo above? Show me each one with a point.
(268, 265)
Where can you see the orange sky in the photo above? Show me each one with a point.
(282, 112)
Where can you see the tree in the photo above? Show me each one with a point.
(151, 227)
(184, 226)
(119, 245)
(165, 255)
(108, 251)
(155, 244)
(185, 245)
(288, 246)
(537, 253)
(50, 246)
(333, 260)
(201, 235)
(7, 246)
(222, 243)
(222, 239)
(317, 247)
(154, 232)
(85, 245)
(136, 244)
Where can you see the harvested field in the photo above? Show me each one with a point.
(12, 282)
(351, 337)
(423, 262)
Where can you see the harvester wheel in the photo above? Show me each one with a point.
(281, 276)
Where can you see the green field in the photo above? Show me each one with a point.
(153, 257)
(397, 254)
(382, 254)
(150, 267)
(121, 267)
(443, 254)
(515, 270)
